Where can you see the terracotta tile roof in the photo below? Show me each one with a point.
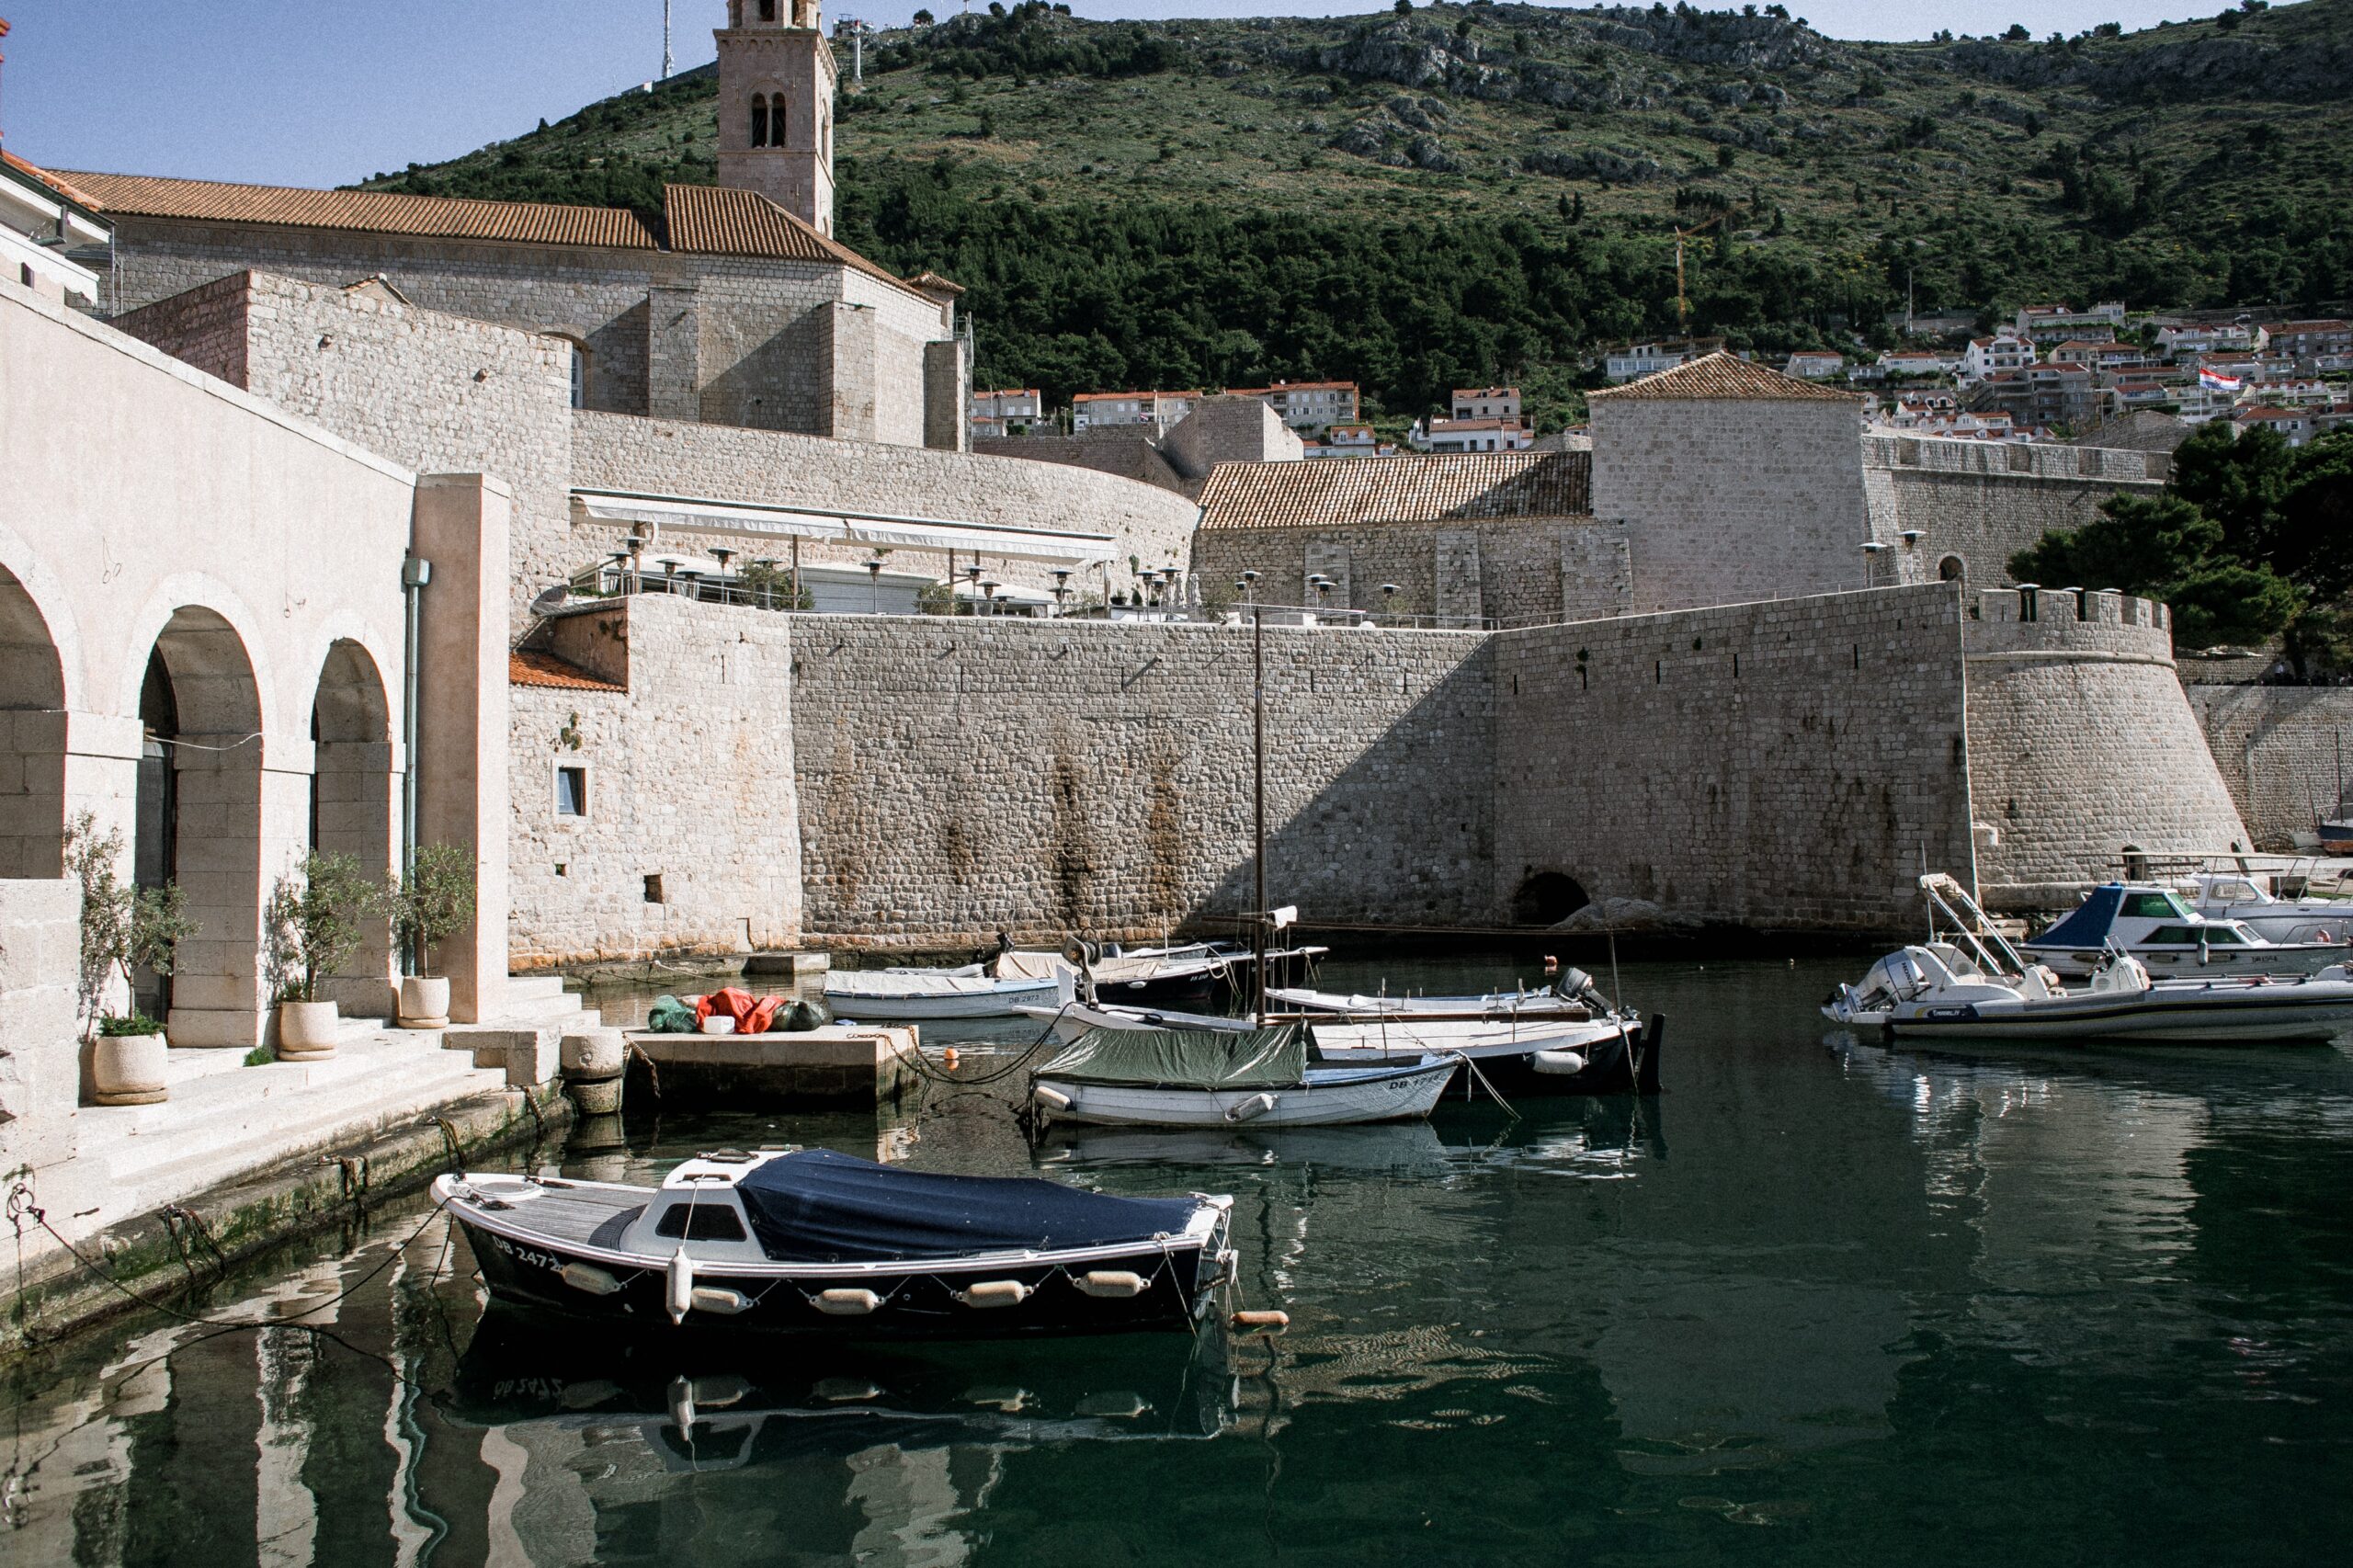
(718, 221)
(41, 176)
(1721, 376)
(1423, 488)
(527, 668)
(932, 282)
(368, 211)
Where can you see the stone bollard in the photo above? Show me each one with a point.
(594, 1062)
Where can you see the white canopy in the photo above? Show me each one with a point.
(750, 521)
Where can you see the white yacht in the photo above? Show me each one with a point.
(2154, 926)
(2242, 897)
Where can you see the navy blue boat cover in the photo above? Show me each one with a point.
(2089, 925)
(816, 1206)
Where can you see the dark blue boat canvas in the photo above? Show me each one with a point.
(816, 1206)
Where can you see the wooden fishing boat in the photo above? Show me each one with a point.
(899, 996)
(813, 1241)
(1114, 1077)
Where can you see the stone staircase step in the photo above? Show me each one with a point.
(523, 988)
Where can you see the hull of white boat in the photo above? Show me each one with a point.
(1328, 1099)
(2178, 963)
(2219, 1015)
(1499, 1003)
(1392, 1038)
(1001, 999)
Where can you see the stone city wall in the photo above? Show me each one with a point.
(1728, 501)
(2080, 744)
(1465, 571)
(962, 778)
(1976, 504)
(690, 843)
(772, 468)
(740, 340)
(2282, 752)
(1784, 765)
(431, 390)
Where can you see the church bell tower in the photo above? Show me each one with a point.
(776, 107)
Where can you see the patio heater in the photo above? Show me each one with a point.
(1061, 588)
(989, 589)
(972, 575)
(722, 554)
(874, 585)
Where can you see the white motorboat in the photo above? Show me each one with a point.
(2154, 926)
(1977, 985)
(1115, 1077)
(873, 995)
(2241, 896)
(1568, 999)
(1163, 975)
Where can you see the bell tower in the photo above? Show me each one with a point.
(776, 107)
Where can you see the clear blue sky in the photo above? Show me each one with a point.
(298, 92)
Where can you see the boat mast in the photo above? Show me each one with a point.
(1258, 809)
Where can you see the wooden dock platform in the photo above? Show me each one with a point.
(838, 1065)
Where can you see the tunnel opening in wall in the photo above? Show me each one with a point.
(1547, 898)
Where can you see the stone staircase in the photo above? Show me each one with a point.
(225, 1119)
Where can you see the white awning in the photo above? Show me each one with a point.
(750, 521)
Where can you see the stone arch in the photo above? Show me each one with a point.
(32, 718)
(207, 807)
(1547, 898)
(354, 804)
(1952, 568)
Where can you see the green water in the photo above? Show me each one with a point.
(1819, 1304)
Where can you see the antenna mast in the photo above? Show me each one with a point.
(669, 63)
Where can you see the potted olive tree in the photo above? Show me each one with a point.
(311, 929)
(434, 900)
(123, 928)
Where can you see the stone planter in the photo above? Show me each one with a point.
(307, 1031)
(425, 1002)
(128, 1069)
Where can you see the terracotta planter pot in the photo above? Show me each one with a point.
(307, 1031)
(128, 1069)
(425, 1002)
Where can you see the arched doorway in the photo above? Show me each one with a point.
(200, 821)
(32, 708)
(1952, 569)
(354, 805)
(1547, 898)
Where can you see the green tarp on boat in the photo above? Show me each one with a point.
(1188, 1058)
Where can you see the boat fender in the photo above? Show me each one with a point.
(678, 1294)
(682, 1405)
(1265, 1322)
(1049, 1099)
(1559, 1062)
(716, 1299)
(1254, 1106)
(589, 1278)
(1112, 1284)
(995, 1293)
(847, 1303)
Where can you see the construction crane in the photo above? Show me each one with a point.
(1682, 304)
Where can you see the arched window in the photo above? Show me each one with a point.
(1950, 570)
(760, 119)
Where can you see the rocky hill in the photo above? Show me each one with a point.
(1465, 192)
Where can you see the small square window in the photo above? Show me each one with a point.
(654, 887)
(572, 791)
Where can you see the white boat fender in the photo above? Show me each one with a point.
(1256, 1105)
(847, 1304)
(1559, 1062)
(718, 1299)
(995, 1293)
(1264, 1323)
(589, 1278)
(1112, 1284)
(682, 1405)
(1051, 1099)
(678, 1294)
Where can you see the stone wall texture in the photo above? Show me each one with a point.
(1725, 501)
(433, 392)
(959, 778)
(2082, 743)
(1786, 764)
(1977, 504)
(771, 468)
(1467, 572)
(690, 782)
(2282, 750)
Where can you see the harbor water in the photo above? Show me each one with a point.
(1818, 1303)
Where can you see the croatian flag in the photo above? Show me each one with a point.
(2214, 380)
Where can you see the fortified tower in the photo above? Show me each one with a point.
(776, 107)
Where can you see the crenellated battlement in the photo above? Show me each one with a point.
(2088, 623)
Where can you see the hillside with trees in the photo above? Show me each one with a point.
(1444, 195)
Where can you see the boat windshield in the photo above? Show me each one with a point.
(2153, 906)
